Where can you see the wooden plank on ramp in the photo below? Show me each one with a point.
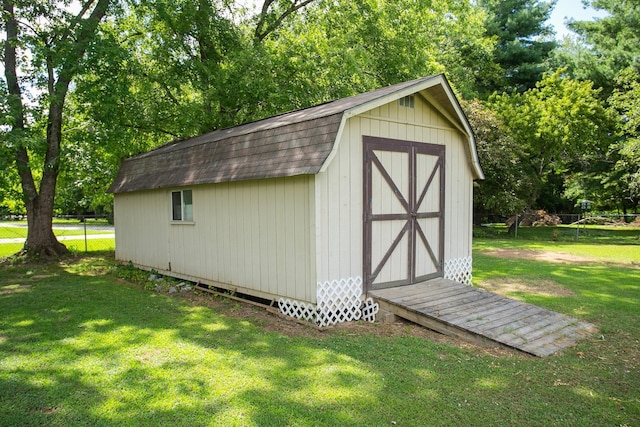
(482, 317)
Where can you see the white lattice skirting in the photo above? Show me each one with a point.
(337, 301)
(458, 269)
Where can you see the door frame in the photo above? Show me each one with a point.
(410, 204)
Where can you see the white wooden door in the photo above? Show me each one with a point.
(403, 212)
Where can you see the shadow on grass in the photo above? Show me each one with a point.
(83, 349)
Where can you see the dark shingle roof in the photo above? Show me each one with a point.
(294, 143)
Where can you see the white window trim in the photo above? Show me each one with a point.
(182, 208)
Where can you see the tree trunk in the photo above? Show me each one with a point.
(41, 242)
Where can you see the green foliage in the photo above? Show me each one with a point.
(625, 100)
(563, 127)
(614, 183)
(131, 273)
(11, 201)
(357, 46)
(605, 52)
(507, 186)
(607, 45)
(524, 41)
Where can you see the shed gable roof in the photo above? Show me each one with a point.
(294, 143)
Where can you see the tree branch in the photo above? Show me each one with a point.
(79, 46)
(260, 34)
(153, 129)
(58, 92)
(76, 19)
(162, 85)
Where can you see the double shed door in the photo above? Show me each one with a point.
(404, 187)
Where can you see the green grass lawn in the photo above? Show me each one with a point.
(76, 245)
(589, 234)
(619, 245)
(79, 346)
(8, 249)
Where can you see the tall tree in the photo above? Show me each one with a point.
(186, 67)
(508, 183)
(614, 182)
(44, 49)
(603, 46)
(524, 41)
(615, 37)
(563, 126)
(162, 71)
(340, 47)
(291, 54)
(624, 179)
(606, 51)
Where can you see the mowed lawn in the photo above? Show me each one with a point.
(79, 346)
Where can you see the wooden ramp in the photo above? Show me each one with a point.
(483, 317)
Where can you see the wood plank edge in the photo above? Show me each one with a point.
(444, 328)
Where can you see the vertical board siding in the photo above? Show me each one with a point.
(251, 234)
(141, 232)
(339, 198)
(459, 199)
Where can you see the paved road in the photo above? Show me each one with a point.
(107, 229)
(61, 238)
(92, 227)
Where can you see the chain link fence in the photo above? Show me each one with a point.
(571, 219)
(539, 224)
(86, 233)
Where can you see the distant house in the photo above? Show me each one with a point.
(312, 208)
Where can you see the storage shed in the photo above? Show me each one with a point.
(312, 208)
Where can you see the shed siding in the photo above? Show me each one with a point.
(253, 235)
(339, 198)
(141, 233)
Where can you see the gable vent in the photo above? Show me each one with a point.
(407, 101)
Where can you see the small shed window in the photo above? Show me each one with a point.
(407, 101)
(182, 205)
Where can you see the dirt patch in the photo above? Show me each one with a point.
(540, 287)
(289, 327)
(546, 256)
(13, 289)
